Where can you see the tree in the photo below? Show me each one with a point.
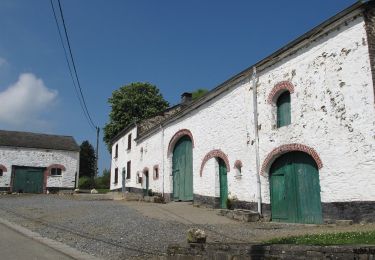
(132, 103)
(103, 182)
(198, 93)
(87, 160)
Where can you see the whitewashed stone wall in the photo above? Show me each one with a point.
(332, 112)
(40, 158)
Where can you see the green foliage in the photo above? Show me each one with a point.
(103, 182)
(86, 183)
(131, 103)
(198, 93)
(367, 237)
(87, 160)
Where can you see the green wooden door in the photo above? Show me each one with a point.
(223, 184)
(295, 189)
(146, 187)
(183, 170)
(28, 180)
(283, 109)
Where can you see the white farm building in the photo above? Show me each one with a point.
(37, 163)
(299, 147)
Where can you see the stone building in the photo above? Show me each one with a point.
(314, 140)
(35, 163)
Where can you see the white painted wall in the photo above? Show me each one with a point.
(40, 158)
(332, 112)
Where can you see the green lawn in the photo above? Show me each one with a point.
(102, 190)
(344, 238)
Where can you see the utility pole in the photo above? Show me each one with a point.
(97, 151)
(255, 110)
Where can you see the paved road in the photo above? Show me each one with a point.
(15, 246)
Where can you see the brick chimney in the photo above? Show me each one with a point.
(186, 98)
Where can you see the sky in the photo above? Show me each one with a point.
(179, 46)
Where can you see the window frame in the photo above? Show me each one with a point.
(129, 142)
(115, 181)
(128, 169)
(283, 106)
(55, 172)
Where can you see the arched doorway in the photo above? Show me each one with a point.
(182, 169)
(295, 189)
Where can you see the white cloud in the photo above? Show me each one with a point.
(24, 101)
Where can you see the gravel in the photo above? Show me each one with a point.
(101, 228)
(116, 230)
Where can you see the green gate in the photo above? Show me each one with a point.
(223, 184)
(182, 170)
(28, 180)
(295, 189)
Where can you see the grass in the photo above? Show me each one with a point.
(325, 239)
(102, 190)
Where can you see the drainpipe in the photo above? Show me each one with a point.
(162, 154)
(255, 110)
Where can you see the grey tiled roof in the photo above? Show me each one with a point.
(35, 140)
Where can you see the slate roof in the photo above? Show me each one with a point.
(36, 140)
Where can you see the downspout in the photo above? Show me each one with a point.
(162, 155)
(255, 110)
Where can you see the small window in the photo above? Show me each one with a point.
(128, 170)
(116, 151)
(1, 172)
(129, 141)
(116, 176)
(55, 172)
(283, 109)
(156, 172)
(139, 178)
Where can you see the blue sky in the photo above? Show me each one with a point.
(177, 45)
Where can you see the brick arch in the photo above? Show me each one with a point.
(237, 164)
(177, 137)
(213, 154)
(3, 168)
(278, 89)
(283, 149)
(59, 166)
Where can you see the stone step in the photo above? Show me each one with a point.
(243, 215)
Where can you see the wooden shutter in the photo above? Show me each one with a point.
(283, 110)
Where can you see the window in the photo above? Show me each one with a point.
(283, 109)
(156, 172)
(139, 178)
(129, 141)
(116, 151)
(128, 169)
(116, 176)
(55, 172)
(238, 168)
(1, 172)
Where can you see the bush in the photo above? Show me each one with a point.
(86, 183)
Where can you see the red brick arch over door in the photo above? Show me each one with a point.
(277, 152)
(215, 154)
(177, 137)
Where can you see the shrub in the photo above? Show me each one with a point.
(86, 183)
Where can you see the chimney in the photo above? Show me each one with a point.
(186, 98)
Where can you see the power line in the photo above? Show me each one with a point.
(69, 66)
(76, 82)
(78, 91)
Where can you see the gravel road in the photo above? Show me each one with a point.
(121, 230)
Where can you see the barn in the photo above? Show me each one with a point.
(37, 163)
(292, 136)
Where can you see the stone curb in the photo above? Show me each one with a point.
(58, 246)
